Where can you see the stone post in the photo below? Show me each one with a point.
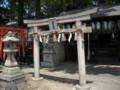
(36, 57)
(81, 60)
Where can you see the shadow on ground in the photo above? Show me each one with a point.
(92, 69)
(96, 70)
(60, 79)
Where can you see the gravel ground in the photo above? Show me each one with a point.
(65, 77)
(44, 84)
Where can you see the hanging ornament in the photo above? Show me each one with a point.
(36, 37)
(70, 37)
(58, 27)
(47, 39)
(59, 36)
(75, 37)
(73, 26)
(82, 37)
(62, 26)
(110, 25)
(68, 26)
(98, 25)
(63, 37)
(113, 35)
(104, 25)
(93, 25)
(54, 38)
(44, 39)
(40, 37)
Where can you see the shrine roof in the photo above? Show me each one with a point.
(107, 10)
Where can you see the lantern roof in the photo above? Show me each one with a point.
(10, 37)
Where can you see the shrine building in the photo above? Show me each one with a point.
(103, 44)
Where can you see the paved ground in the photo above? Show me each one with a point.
(65, 77)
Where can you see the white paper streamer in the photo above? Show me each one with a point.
(47, 39)
(70, 37)
(59, 36)
(40, 37)
(113, 35)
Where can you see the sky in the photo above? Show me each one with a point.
(3, 3)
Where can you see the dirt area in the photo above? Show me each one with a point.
(44, 84)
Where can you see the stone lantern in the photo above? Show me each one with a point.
(11, 72)
(11, 48)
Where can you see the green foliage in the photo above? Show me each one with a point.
(13, 7)
(54, 7)
(9, 10)
(49, 8)
(106, 2)
(3, 12)
(29, 8)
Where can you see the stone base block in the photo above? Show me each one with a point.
(10, 70)
(33, 78)
(12, 77)
(6, 85)
(47, 64)
(77, 87)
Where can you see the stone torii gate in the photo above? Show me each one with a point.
(55, 29)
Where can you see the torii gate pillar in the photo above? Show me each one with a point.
(36, 57)
(81, 60)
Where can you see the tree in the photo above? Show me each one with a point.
(54, 7)
(4, 17)
(20, 13)
(37, 8)
(51, 8)
(29, 9)
(20, 9)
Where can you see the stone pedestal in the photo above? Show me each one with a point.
(53, 54)
(77, 87)
(48, 59)
(11, 74)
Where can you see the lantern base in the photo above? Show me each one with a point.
(10, 70)
(13, 85)
(11, 76)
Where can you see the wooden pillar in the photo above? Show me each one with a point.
(81, 56)
(36, 57)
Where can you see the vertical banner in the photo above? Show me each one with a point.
(52, 24)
